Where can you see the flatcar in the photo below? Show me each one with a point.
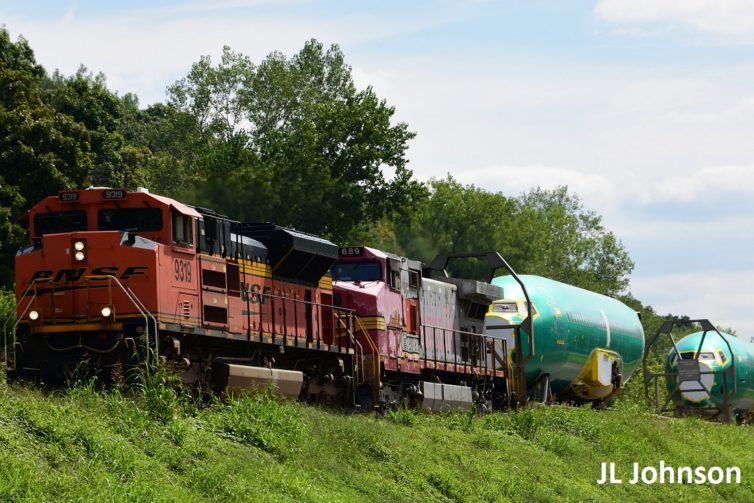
(112, 277)
(584, 345)
(423, 337)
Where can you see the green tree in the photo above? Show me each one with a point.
(85, 98)
(459, 219)
(217, 97)
(548, 233)
(171, 142)
(11, 234)
(18, 56)
(294, 141)
(41, 151)
(564, 241)
(131, 147)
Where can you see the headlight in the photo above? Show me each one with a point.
(106, 311)
(78, 246)
(79, 256)
(33, 315)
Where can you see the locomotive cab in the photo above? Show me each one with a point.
(383, 291)
(87, 285)
(150, 216)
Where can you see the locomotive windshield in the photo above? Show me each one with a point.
(59, 221)
(357, 271)
(134, 219)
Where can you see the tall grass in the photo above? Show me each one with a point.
(155, 443)
(260, 420)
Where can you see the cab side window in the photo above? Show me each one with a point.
(183, 229)
(394, 274)
(395, 280)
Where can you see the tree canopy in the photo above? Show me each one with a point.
(41, 151)
(548, 233)
(290, 140)
(291, 133)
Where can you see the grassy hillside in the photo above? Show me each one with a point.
(83, 444)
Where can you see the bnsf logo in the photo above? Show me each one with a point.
(254, 293)
(71, 275)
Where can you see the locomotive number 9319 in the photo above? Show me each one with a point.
(182, 270)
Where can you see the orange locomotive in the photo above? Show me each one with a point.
(111, 276)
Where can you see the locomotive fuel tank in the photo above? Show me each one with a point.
(726, 373)
(585, 345)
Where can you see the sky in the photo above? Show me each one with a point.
(644, 108)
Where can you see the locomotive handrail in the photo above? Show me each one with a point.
(464, 332)
(375, 359)
(357, 344)
(32, 283)
(129, 294)
(358, 348)
(154, 320)
(335, 309)
(5, 339)
(302, 301)
(496, 261)
(453, 331)
(338, 315)
(350, 331)
(139, 306)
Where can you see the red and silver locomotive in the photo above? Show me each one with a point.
(422, 337)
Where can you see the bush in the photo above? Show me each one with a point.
(403, 415)
(161, 390)
(459, 419)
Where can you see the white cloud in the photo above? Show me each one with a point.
(615, 134)
(715, 181)
(719, 296)
(723, 229)
(733, 18)
(632, 126)
(145, 50)
(518, 179)
(217, 6)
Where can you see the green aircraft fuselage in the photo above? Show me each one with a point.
(589, 344)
